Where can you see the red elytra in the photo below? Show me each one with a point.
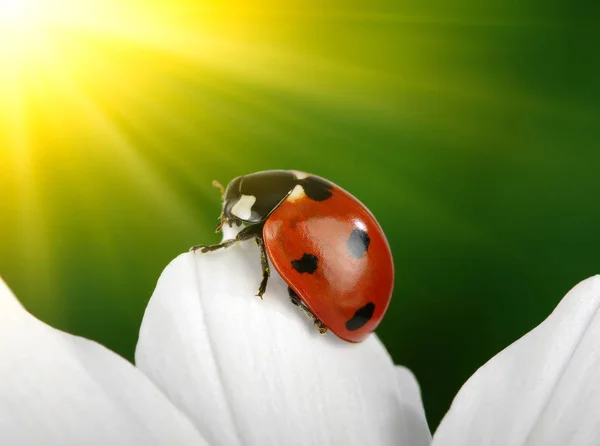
(348, 277)
(325, 244)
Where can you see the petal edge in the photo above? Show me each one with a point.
(541, 390)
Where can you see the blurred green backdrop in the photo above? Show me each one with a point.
(481, 118)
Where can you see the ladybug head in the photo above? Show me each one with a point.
(251, 198)
(231, 195)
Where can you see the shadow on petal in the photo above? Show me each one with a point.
(414, 412)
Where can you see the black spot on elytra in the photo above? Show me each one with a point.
(358, 243)
(316, 188)
(361, 317)
(307, 264)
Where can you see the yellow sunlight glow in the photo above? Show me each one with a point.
(67, 53)
(13, 10)
(68, 70)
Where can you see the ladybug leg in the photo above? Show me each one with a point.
(264, 262)
(207, 248)
(295, 299)
(245, 234)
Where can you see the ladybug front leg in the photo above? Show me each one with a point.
(264, 262)
(245, 234)
(207, 248)
(295, 299)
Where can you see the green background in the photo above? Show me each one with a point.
(471, 130)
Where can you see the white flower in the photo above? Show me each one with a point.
(58, 389)
(543, 390)
(216, 365)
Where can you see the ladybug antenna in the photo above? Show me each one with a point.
(219, 186)
(221, 218)
(220, 224)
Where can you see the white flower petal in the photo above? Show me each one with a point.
(413, 406)
(58, 389)
(252, 372)
(543, 390)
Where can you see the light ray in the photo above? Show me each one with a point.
(100, 72)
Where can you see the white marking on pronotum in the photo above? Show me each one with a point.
(297, 193)
(243, 208)
(300, 175)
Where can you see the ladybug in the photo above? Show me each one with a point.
(325, 244)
